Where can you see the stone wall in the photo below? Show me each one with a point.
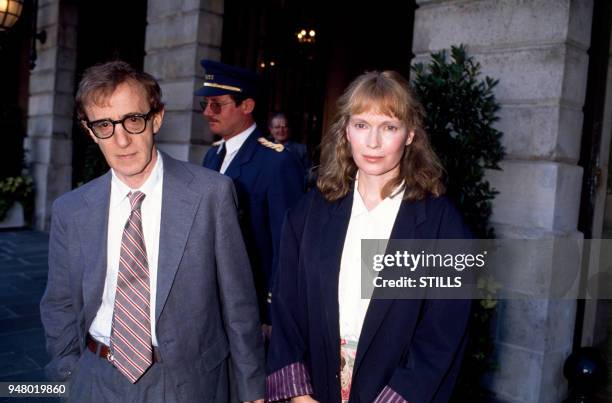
(50, 106)
(538, 51)
(180, 34)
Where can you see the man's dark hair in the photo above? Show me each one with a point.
(238, 98)
(100, 81)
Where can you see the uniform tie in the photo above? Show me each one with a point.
(220, 158)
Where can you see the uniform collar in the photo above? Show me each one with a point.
(232, 145)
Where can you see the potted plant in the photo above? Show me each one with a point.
(16, 200)
(16, 188)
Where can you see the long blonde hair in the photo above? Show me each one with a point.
(387, 93)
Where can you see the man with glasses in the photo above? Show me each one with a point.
(145, 299)
(268, 178)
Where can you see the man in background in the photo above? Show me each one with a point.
(278, 125)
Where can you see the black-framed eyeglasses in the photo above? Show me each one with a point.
(215, 106)
(134, 123)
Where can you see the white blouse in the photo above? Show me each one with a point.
(374, 224)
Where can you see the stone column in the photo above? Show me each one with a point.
(50, 106)
(180, 34)
(538, 51)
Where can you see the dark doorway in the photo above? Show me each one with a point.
(594, 188)
(15, 70)
(107, 31)
(304, 76)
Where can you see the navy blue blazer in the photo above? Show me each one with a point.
(413, 346)
(267, 183)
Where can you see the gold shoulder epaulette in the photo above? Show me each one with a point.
(217, 143)
(267, 143)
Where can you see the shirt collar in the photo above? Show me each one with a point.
(359, 206)
(120, 191)
(232, 145)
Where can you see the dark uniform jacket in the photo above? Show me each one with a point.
(268, 182)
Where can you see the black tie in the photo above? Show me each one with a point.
(220, 158)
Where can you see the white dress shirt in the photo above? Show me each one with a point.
(233, 145)
(118, 215)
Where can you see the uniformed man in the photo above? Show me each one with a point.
(268, 178)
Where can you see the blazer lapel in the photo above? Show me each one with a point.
(179, 206)
(333, 233)
(92, 224)
(409, 216)
(244, 155)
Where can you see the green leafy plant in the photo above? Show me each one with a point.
(460, 111)
(15, 186)
(16, 189)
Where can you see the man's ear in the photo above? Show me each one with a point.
(88, 131)
(248, 106)
(158, 119)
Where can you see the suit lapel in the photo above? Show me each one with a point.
(333, 233)
(409, 216)
(244, 155)
(92, 224)
(179, 206)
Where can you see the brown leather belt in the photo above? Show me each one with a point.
(103, 351)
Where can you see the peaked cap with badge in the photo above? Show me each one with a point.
(221, 79)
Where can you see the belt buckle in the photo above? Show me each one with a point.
(109, 356)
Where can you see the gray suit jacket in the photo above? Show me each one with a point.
(206, 310)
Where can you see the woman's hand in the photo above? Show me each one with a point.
(303, 399)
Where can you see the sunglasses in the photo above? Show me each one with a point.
(215, 107)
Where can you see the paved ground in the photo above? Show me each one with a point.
(23, 274)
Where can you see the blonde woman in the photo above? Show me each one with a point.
(380, 179)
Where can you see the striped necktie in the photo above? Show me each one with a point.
(132, 351)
